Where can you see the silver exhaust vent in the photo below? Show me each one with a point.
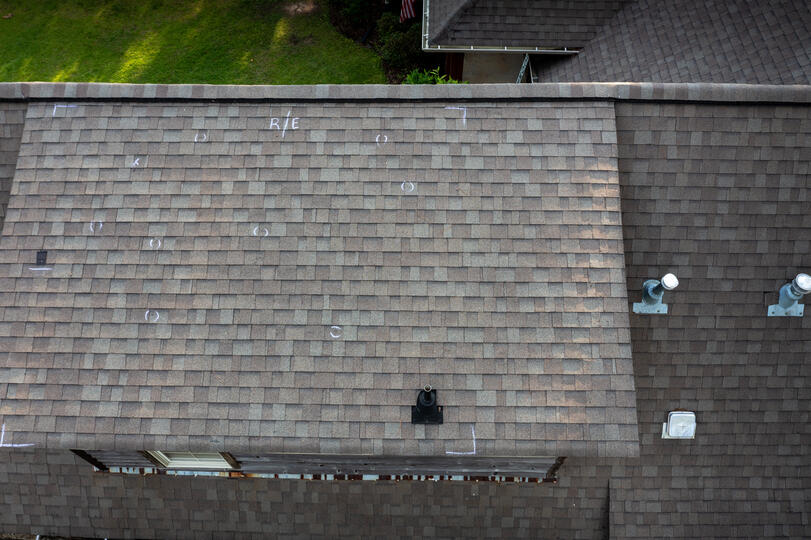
(790, 293)
(653, 291)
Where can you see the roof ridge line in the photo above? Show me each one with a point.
(622, 91)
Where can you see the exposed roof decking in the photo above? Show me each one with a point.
(498, 279)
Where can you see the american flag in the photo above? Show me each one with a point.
(407, 10)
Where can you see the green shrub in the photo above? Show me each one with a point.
(400, 46)
(354, 9)
(354, 18)
(423, 76)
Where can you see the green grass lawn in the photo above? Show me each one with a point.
(174, 41)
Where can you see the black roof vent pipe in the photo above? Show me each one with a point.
(426, 411)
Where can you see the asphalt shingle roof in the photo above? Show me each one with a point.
(691, 41)
(714, 186)
(12, 116)
(721, 197)
(519, 23)
(201, 258)
(75, 501)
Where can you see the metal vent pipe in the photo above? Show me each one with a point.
(790, 293)
(654, 290)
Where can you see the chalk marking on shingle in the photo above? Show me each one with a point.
(9, 445)
(473, 453)
(155, 243)
(39, 268)
(101, 224)
(336, 332)
(464, 113)
(148, 317)
(265, 231)
(204, 138)
(385, 139)
(289, 122)
(407, 186)
(135, 163)
(286, 120)
(62, 107)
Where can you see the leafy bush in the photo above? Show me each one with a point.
(353, 9)
(354, 18)
(423, 76)
(400, 47)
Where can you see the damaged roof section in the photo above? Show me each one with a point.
(286, 276)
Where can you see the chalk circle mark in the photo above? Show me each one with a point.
(151, 316)
(385, 139)
(261, 231)
(336, 332)
(96, 225)
(155, 243)
(407, 186)
(201, 136)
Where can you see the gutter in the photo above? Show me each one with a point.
(426, 9)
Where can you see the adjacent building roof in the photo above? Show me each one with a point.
(547, 24)
(736, 41)
(681, 41)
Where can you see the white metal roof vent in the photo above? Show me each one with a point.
(653, 290)
(790, 293)
(679, 425)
